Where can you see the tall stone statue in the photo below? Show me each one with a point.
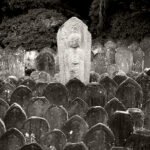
(74, 51)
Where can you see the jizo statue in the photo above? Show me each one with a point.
(74, 51)
(75, 58)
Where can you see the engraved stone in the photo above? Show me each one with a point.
(74, 51)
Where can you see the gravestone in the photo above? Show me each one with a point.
(40, 87)
(145, 45)
(74, 51)
(34, 128)
(13, 139)
(57, 94)
(21, 95)
(75, 146)
(13, 80)
(12, 63)
(95, 95)
(138, 118)
(96, 114)
(35, 75)
(41, 76)
(99, 61)
(2, 128)
(138, 60)
(114, 105)
(138, 141)
(55, 139)
(112, 70)
(6, 92)
(99, 137)
(3, 108)
(56, 116)
(15, 117)
(29, 59)
(32, 146)
(75, 88)
(94, 77)
(121, 124)
(146, 110)
(75, 129)
(124, 59)
(29, 82)
(110, 48)
(45, 62)
(110, 85)
(37, 107)
(120, 77)
(77, 107)
(144, 80)
(130, 93)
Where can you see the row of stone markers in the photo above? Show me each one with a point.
(76, 56)
(107, 114)
(82, 111)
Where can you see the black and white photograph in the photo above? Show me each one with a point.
(74, 74)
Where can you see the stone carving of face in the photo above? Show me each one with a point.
(74, 40)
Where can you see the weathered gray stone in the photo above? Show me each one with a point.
(21, 95)
(57, 94)
(37, 107)
(6, 92)
(29, 59)
(45, 62)
(75, 88)
(15, 117)
(55, 139)
(3, 108)
(124, 59)
(95, 95)
(56, 116)
(110, 85)
(99, 62)
(29, 82)
(121, 123)
(13, 80)
(40, 87)
(75, 146)
(34, 128)
(114, 105)
(96, 114)
(2, 128)
(32, 146)
(13, 139)
(77, 107)
(99, 137)
(144, 80)
(74, 51)
(146, 110)
(75, 129)
(94, 77)
(130, 93)
(120, 77)
(138, 117)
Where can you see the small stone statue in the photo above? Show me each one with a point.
(75, 58)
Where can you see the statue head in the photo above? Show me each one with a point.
(74, 40)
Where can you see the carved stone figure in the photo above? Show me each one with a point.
(74, 51)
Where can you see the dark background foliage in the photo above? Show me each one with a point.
(117, 19)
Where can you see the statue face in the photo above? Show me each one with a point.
(74, 40)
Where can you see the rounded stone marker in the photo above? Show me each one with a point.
(55, 139)
(35, 127)
(21, 95)
(13, 139)
(15, 117)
